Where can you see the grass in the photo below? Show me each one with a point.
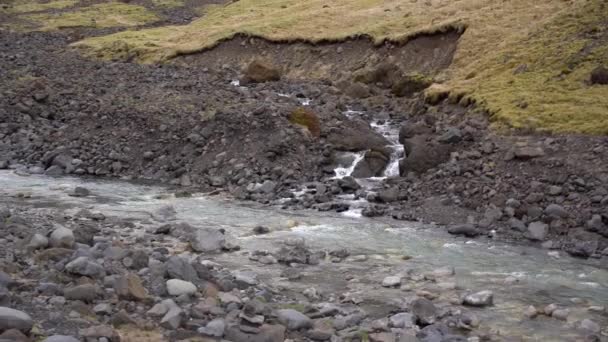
(35, 6)
(103, 15)
(168, 3)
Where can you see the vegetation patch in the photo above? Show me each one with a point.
(168, 3)
(111, 14)
(35, 6)
(304, 117)
(527, 62)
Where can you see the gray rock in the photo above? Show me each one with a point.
(467, 230)
(102, 309)
(80, 192)
(38, 241)
(424, 310)
(173, 319)
(531, 312)
(205, 240)
(537, 231)
(266, 333)
(130, 287)
(86, 293)
(402, 320)
(452, 136)
(528, 152)
(596, 224)
(391, 281)
(518, 225)
(54, 171)
(294, 320)
(177, 287)
(591, 326)
(180, 268)
(215, 328)
(15, 319)
(482, 298)
(60, 338)
(62, 238)
(85, 267)
(266, 187)
(561, 314)
(556, 211)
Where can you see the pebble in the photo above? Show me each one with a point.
(391, 281)
(482, 298)
(177, 287)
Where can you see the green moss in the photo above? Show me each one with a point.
(168, 3)
(35, 6)
(111, 14)
(304, 117)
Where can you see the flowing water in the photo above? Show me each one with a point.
(480, 264)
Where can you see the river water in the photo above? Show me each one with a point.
(541, 277)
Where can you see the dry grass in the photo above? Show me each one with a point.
(25, 6)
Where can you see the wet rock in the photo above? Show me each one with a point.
(259, 71)
(38, 241)
(215, 328)
(583, 249)
(206, 240)
(130, 287)
(402, 320)
(348, 183)
(85, 267)
(177, 287)
(548, 310)
(62, 237)
(15, 319)
(482, 298)
(537, 231)
(373, 165)
(531, 312)
(591, 326)
(390, 195)
(259, 230)
(373, 211)
(60, 338)
(423, 155)
(391, 281)
(295, 254)
(467, 230)
(80, 192)
(293, 320)
(561, 314)
(424, 310)
(86, 293)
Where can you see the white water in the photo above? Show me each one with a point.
(346, 170)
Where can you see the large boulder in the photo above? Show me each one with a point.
(423, 154)
(356, 135)
(373, 164)
(260, 71)
(293, 319)
(62, 237)
(15, 319)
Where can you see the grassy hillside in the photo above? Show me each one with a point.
(526, 61)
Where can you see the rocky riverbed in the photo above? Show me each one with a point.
(115, 261)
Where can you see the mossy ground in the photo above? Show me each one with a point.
(35, 6)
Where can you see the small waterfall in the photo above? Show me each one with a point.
(347, 170)
(392, 135)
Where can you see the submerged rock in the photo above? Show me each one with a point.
(482, 298)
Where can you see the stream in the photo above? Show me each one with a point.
(519, 276)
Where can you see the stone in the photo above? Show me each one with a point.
(206, 240)
(62, 238)
(102, 309)
(84, 267)
(86, 293)
(561, 314)
(467, 230)
(382, 337)
(15, 319)
(402, 320)
(259, 230)
(260, 71)
(293, 319)
(100, 333)
(215, 328)
(177, 287)
(357, 90)
(60, 338)
(556, 211)
(424, 310)
(482, 298)
(548, 310)
(451, 136)
(591, 326)
(173, 319)
(537, 231)
(599, 75)
(422, 155)
(391, 281)
(266, 333)
(13, 335)
(130, 287)
(531, 312)
(528, 152)
(181, 268)
(80, 192)
(38, 241)
(122, 318)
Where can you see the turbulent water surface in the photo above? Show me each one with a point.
(534, 276)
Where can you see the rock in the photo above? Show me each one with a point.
(408, 85)
(13, 335)
(174, 318)
(452, 136)
(102, 309)
(266, 333)
(528, 152)
(180, 268)
(215, 328)
(555, 211)
(177, 287)
(54, 171)
(357, 91)
(258, 71)
(424, 310)
(591, 326)
(482, 298)
(98, 332)
(122, 318)
(130, 287)
(597, 225)
(391, 281)
(80, 192)
(84, 267)
(531, 312)
(86, 293)
(561, 314)
(259, 230)
(402, 320)
(548, 310)
(423, 155)
(15, 319)
(599, 75)
(390, 195)
(537, 231)
(206, 240)
(38, 241)
(348, 183)
(60, 338)
(382, 337)
(293, 320)
(373, 164)
(62, 238)
(467, 230)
